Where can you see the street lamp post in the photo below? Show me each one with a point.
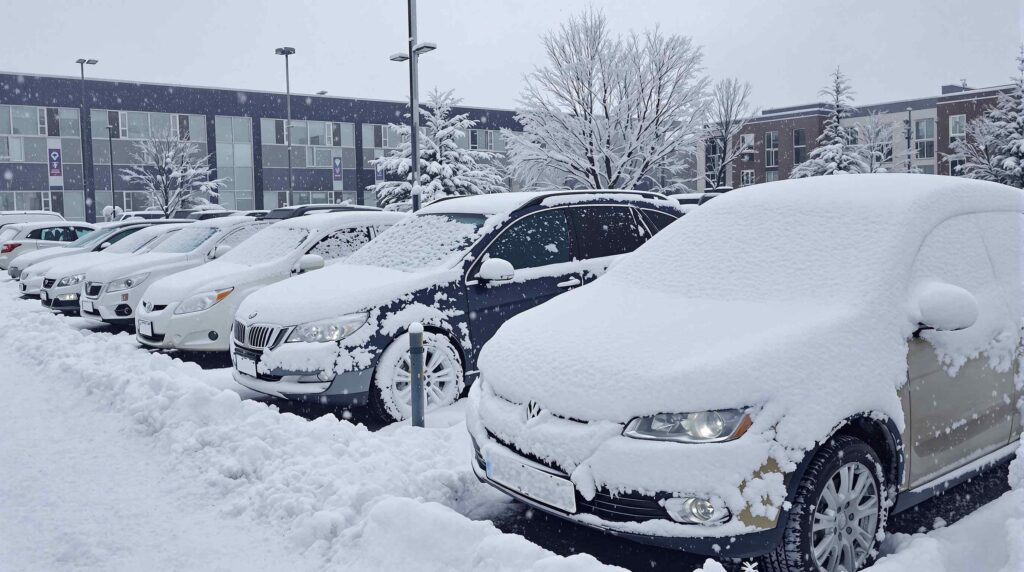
(910, 126)
(286, 51)
(84, 128)
(415, 50)
(110, 148)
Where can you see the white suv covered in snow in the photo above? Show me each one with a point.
(772, 376)
(194, 310)
(18, 239)
(112, 291)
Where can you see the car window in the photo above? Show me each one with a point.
(607, 231)
(118, 235)
(186, 240)
(657, 219)
(422, 242)
(268, 244)
(341, 243)
(37, 234)
(535, 240)
(237, 236)
(79, 232)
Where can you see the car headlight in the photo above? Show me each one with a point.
(127, 283)
(203, 301)
(703, 427)
(70, 280)
(327, 330)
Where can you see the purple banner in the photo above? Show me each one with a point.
(337, 168)
(56, 167)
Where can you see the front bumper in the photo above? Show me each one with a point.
(30, 286)
(117, 308)
(205, 331)
(347, 388)
(63, 300)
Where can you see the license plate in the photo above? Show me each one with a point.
(146, 328)
(530, 482)
(245, 365)
(87, 306)
(44, 296)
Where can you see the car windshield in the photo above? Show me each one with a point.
(93, 238)
(267, 245)
(186, 240)
(421, 242)
(139, 241)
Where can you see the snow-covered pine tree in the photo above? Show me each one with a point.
(1007, 119)
(173, 173)
(836, 153)
(979, 151)
(446, 169)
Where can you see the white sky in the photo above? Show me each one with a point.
(891, 49)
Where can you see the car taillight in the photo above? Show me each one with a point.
(8, 247)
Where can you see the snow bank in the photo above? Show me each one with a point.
(354, 499)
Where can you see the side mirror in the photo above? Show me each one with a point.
(105, 246)
(220, 250)
(945, 308)
(496, 270)
(310, 262)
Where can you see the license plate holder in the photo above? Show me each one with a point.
(146, 328)
(245, 365)
(531, 482)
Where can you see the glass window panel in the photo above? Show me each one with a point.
(225, 155)
(222, 126)
(537, 240)
(367, 130)
(112, 119)
(242, 128)
(24, 120)
(323, 157)
(244, 200)
(275, 156)
(298, 157)
(5, 119)
(160, 125)
(317, 133)
(394, 138)
(243, 154)
(30, 201)
(197, 127)
(41, 120)
(268, 131)
(299, 133)
(5, 148)
(69, 123)
(35, 149)
(183, 127)
(228, 174)
(138, 125)
(53, 122)
(243, 178)
(100, 152)
(71, 150)
(226, 199)
(348, 160)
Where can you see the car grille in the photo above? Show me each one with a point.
(48, 282)
(93, 289)
(257, 336)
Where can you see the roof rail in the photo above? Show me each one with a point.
(640, 194)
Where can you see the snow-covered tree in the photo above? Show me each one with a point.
(873, 137)
(1007, 119)
(836, 153)
(728, 113)
(979, 151)
(446, 169)
(610, 112)
(173, 173)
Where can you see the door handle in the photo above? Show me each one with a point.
(569, 283)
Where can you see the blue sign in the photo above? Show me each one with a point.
(337, 168)
(56, 167)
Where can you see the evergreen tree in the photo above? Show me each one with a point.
(1007, 120)
(836, 152)
(446, 169)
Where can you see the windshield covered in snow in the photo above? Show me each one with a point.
(186, 240)
(141, 240)
(421, 242)
(266, 245)
(93, 238)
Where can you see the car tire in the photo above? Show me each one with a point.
(390, 393)
(840, 464)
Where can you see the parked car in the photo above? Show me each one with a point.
(105, 235)
(193, 310)
(695, 198)
(149, 215)
(18, 239)
(256, 214)
(462, 266)
(282, 213)
(62, 277)
(13, 217)
(208, 214)
(111, 292)
(773, 377)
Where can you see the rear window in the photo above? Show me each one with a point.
(607, 231)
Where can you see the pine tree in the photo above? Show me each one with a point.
(1007, 120)
(836, 153)
(446, 169)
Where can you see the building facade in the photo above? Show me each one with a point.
(781, 138)
(63, 142)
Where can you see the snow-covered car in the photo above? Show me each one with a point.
(194, 310)
(62, 277)
(22, 238)
(15, 217)
(461, 266)
(772, 377)
(112, 291)
(106, 234)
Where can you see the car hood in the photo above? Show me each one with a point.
(38, 256)
(130, 265)
(336, 290)
(217, 275)
(605, 353)
(76, 263)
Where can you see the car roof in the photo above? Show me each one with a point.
(40, 212)
(353, 217)
(48, 224)
(498, 203)
(223, 221)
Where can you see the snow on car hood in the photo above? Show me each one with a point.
(131, 265)
(215, 275)
(334, 291)
(76, 263)
(37, 256)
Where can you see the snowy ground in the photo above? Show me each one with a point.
(116, 459)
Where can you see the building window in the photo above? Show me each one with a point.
(957, 126)
(747, 144)
(140, 125)
(771, 176)
(483, 139)
(746, 177)
(927, 169)
(955, 165)
(771, 149)
(799, 146)
(924, 136)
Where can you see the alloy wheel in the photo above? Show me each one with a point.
(845, 519)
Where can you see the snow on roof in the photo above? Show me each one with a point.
(313, 221)
(47, 224)
(223, 222)
(482, 204)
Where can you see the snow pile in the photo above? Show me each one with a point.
(351, 498)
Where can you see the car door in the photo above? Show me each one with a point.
(539, 246)
(605, 232)
(961, 407)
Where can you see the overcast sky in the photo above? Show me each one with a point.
(890, 49)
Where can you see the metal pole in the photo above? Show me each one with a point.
(414, 102)
(288, 127)
(85, 164)
(110, 146)
(910, 126)
(416, 372)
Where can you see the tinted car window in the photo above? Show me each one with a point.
(607, 231)
(80, 231)
(658, 220)
(239, 235)
(536, 240)
(116, 236)
(341, 243)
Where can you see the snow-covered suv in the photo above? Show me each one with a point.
(193, 310)
(112, 291)
(773, 376)
(461, 266)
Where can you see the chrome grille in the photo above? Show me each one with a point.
(259, 336)
(93, 289)
(255, 336)
(48, 282)
(239, 332)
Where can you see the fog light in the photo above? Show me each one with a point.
(691, 510)
(68, 297)
(121, 310)
(212, 335)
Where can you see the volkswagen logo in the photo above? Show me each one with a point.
(533, 410)
(253, 315)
